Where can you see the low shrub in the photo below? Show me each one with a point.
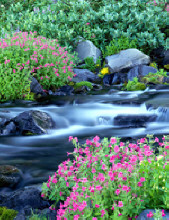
(110, 179)
(24, 55)
(116, 46)
(135, 85)
(7, 214)
(156, 78)
(90, 65)
(110, 20)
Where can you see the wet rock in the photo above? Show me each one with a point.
(119, 78)
(81, 89)
(23, 199)
(133, 120)
(27, 123)
(166, 79)
(10, 176)
(166, 58)
(85, 75)
(36, 88)
(87, 49)
(158, 53)
(63, 91)
(68, 90)
(107, 79)
(9, 128)
(140, 70)
(34, 122)
(162, 87)
(143, 214)
(97, 87)
(126, 59)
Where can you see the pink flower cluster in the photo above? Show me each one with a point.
(38, 61)
(114, 171)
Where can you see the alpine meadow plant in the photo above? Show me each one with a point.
(116, 46)
(24, 55)
(110, 20)
(110, 179)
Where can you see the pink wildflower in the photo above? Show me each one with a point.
(116, 149)
(139, 184)
(120, 204)
(97, 206)
(70, 138)
(142, 179)
(163, 214)
(117, 191)
(54, 180)
(150, 214)
(113, 140)
(103, 212)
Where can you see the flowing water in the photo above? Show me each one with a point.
(82, 116)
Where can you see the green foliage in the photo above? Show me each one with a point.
(83, 83)
(116, 46)
(22, 55)
(154, 65)
(89, 64)
(13, 85)
(135, 85)
(37, 217)
(109, 20)
(140, 182)
(155, 78)
(7, 214)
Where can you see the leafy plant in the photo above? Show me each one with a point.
(116, 46)
(7, 214)
(155, 78)
(23, 55)
(166, 66)
(154, 65)
(110, 179)
(89, 64)
(135, 85)
(132, 19)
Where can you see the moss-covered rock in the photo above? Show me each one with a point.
(83, 83)
(9, 176)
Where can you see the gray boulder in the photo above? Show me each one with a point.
(134, 120)
(140, 70)
(34, 122)
(27, 123)
(85, 75)
(23, 198)
(143, 214)
(10, 176)
(87, 49)
(126, 59)
(36, 88)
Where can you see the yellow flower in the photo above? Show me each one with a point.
(166, 66)
(105, 70)
(97, 64)
(153, 65)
